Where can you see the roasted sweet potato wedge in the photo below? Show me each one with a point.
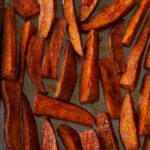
(11, 96)
(34, 60)
(27, 8)
(71, 18)
(128, 129)
(47, 17)
(51, 58)
(146, 145)
(130, 78)
(49, 141)
(68, 76)
(115, 48)
(135, 22)
(106, 132)
(69, 137)
(44, 105)
(9, 46)
(111, 87)
(109, 15)
(27, 31)
(147, 59)
(90, 140)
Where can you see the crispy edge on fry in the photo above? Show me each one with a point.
(147, 59)
(146, 145)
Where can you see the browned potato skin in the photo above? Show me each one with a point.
(53, 50)
(130, 78)
(111, 87)
(146, 145)
(147, 59)
(49, 141)
(9, 45)
(106, 132)
(44, 105)
(115, 48)
(69, 137)
(11, 96)
(28, 29)
(128, 129)
(34, 60)
(135, 22)
(71, 18)
(31, 141)
(47, 17)
(109, 15)
(68, 76)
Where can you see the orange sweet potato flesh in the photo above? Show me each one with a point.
(135, 22)
(69, 137)
(86, 9)
(49, 141)
(47, 17)
(11, 96)
(128, 129)
(9, 45)
(115, 48)
(109, 15)
(130, 78)
(53, 50)
(27, 8)
(71, 18)
(106, 132)
(44, 105)
(146, 145)
(68, 76)
(111, 87)
(147, 59)
(34, 60)
(28, 29)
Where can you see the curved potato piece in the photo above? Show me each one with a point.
(146, 145)
(147, 59)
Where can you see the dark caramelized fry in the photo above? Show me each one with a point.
(146, 143)
(147, 59)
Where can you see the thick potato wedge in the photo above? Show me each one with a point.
(68, 76)
(111, 87)
(47, 17)
(44, 105)
(146, 145)
(109, 15)
(71, 18)
(130, 78)
(147, 59)
(106, 132)
(135, 22)
(34, 60)
(49, 141)
(11, 96)
(69, 137)
(31, 141)
(27, 31)
(9, 46)
(115, 48)
(128, 129)
(51, 58)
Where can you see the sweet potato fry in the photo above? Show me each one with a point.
(28, 29)
(9, 46)
(34, 60)
(143, 107)
(90, 140)
(51, 58)
(69, 137)
(49, 141)
(130, 78)
(111, 87)
(128, 130)
(109, 15)
(44, 105)
(115, 48)
(106, 132)
(146, 145)
(11, 96)
(86, 9)
(68, 77)
(47, 17)
(147, 59)
(71, 18)
(27, 8)
(135, 22)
